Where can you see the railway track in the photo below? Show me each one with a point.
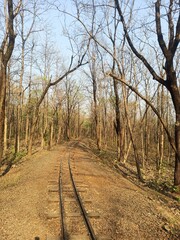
(75, 221)
(73, 212)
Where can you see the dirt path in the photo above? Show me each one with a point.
(125, 210)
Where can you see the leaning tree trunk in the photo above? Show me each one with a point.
(136, 155)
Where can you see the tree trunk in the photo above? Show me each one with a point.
(2, 104)
(177, 157)
(160, 130)
(50, 136)
(96, 117)
(27, 130)
(20, 103)
(6, 50)
(118, 121)
(176, 101)
(78, 122)
(169, 51)
(146, 136)
(59, 134)
(17, 138)
(5, 132)
(31, 134)
(175, 94)
(136, 155)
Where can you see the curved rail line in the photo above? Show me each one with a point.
(61, 203)
(88, 225)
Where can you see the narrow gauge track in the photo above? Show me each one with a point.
(88, 232)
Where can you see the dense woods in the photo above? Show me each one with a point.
(116, 81)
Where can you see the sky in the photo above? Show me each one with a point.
(55, 19)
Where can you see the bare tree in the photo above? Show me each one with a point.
(71, 99)
(25, 33)
(50, 84)
(169, 51)
(6, 50)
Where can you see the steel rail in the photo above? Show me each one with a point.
(61, 204)
(83, 211)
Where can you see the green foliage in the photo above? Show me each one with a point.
(87, 124)
(175, 189)
(19, 156)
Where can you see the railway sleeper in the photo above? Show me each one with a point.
(93, 215)
(79, 237)
(75, 214)
(51, 237)
(53, 214)
(53, 188)
(70, 200)
(53, 199)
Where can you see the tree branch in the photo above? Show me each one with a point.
(17, 9)
(150, 104)
(141, 57)
(177, 37)
(159, 31)
(80, 63)
(171, 26)
(10, 32)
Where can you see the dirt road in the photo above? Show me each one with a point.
(126, 211)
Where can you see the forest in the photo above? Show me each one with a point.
(101, 71)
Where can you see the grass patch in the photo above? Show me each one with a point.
(19, 156)
(9, 181)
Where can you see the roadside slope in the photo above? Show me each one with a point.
(128, 211)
